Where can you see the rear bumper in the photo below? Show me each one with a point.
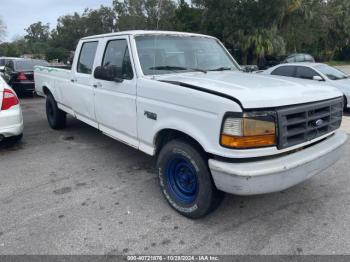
(23, 86)
(280, 173)
(11, 122)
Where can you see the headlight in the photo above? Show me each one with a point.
(252, 130)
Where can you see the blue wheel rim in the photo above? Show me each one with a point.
(182, 180)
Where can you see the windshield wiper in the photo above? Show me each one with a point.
(222, 69)
(177, 68)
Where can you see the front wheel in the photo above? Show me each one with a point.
(13, 140)
(345, 104)
(186, 181)
(56, 117)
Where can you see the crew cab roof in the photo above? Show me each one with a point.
(145, 32)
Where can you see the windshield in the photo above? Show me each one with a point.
(331, 72)
(2, 62)
(28, 65)
(162, 54)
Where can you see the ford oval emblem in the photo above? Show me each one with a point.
(319, 123)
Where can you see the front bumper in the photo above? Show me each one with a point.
(279, 173)
(11, 122)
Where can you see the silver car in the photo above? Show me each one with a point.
(316, 72)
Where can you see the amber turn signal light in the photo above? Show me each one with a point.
(248, 141)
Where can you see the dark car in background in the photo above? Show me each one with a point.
(19, 74)
(3, 62)
(299, 58)
(269, 61)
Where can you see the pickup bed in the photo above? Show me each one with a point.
(182, 98)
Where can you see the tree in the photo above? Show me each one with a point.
(250, 26)
(60, 54)
(38, 32)
(99, 21)
(2, 30)
(145, 14)
(69, 29)
(188, 18)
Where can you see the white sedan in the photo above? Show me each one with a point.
(317, 72)
(11, 120)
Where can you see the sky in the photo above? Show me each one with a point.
(19, 14)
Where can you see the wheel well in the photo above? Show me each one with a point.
(167, 135)
(46, 90)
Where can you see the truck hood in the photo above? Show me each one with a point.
(256, 91)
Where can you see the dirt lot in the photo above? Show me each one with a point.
(79, 192)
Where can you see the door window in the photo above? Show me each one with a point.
(299, 58)
(290, 59)
(284, 71)
(117, 59)
(306, 72)
(9, 66)
(309, 58)
(87, 57)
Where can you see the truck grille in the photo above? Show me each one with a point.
(303, 123)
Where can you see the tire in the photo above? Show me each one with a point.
(13, 139)
(186, 181)
(345, 104)
(57, 118)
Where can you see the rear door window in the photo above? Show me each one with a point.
(306, 72)
(284, 71)
(309, 58)
(290, 59)
(87, 57)
(299, 58)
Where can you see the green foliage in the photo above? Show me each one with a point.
(145, 14)
(251, 28)
(37, 32)
(60, 54)
(2, 30)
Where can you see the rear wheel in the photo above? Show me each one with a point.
(57, 118)
(186, 181)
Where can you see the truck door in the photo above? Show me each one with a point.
(82, 90)
(115, 101)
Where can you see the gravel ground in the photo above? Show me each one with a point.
(77, 191)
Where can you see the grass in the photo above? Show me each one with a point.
(338, 63)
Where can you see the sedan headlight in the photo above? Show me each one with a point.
(251, 130)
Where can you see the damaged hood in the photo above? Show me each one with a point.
(253, 90)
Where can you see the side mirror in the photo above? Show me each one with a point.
(106, 74)
(317, 78)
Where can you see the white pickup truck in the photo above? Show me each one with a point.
(182, 98)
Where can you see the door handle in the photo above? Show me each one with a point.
(96, 85)
(73, 80)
